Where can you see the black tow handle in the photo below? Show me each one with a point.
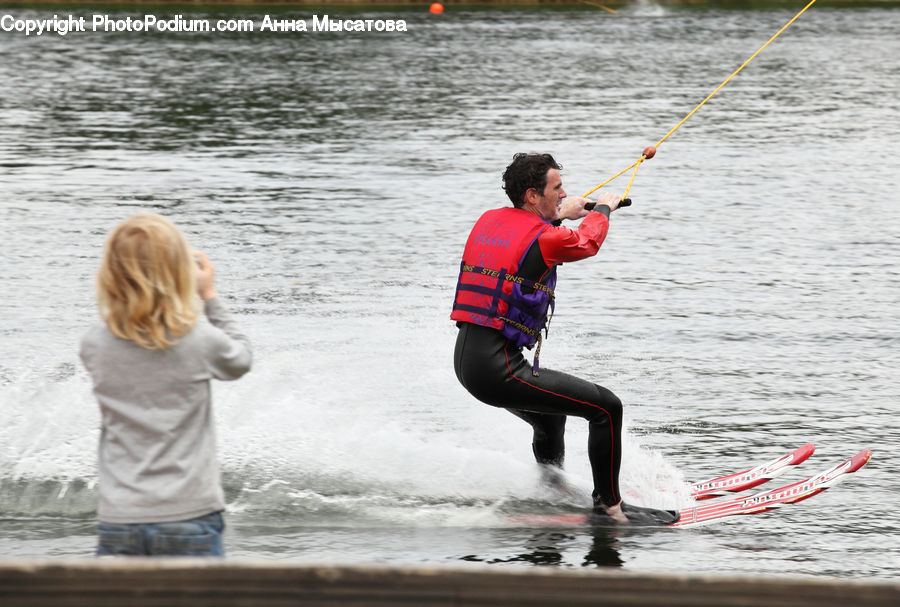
(623, 203)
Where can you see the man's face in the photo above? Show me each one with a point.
(549, 201)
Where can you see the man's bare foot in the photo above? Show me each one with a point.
(615, 512)
(636, 516)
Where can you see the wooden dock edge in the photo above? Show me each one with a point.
(232, 582)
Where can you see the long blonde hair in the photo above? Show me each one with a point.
(146, 286)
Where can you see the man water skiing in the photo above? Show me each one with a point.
(505, 290)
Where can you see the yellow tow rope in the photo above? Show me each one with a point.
(637, 163)
(606, 8)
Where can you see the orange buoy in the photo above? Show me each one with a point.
(436, 9)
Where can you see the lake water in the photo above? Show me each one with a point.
(744, 305)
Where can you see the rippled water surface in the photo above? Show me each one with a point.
(746, 304)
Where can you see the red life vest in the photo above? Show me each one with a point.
(489, 291)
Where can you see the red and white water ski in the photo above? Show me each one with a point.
(741, 481)
(756, 503)
(765, 501)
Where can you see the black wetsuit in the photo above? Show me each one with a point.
(495, 372)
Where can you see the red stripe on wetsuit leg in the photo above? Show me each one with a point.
(575, 400)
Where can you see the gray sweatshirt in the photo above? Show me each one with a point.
(157, 456)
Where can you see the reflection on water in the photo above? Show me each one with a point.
(547, 548)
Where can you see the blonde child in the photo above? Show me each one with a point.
(151, 361)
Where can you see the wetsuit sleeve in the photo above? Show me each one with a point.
(560, 244)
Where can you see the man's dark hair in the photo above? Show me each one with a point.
(527, 171)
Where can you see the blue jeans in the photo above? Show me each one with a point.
(196, 537)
